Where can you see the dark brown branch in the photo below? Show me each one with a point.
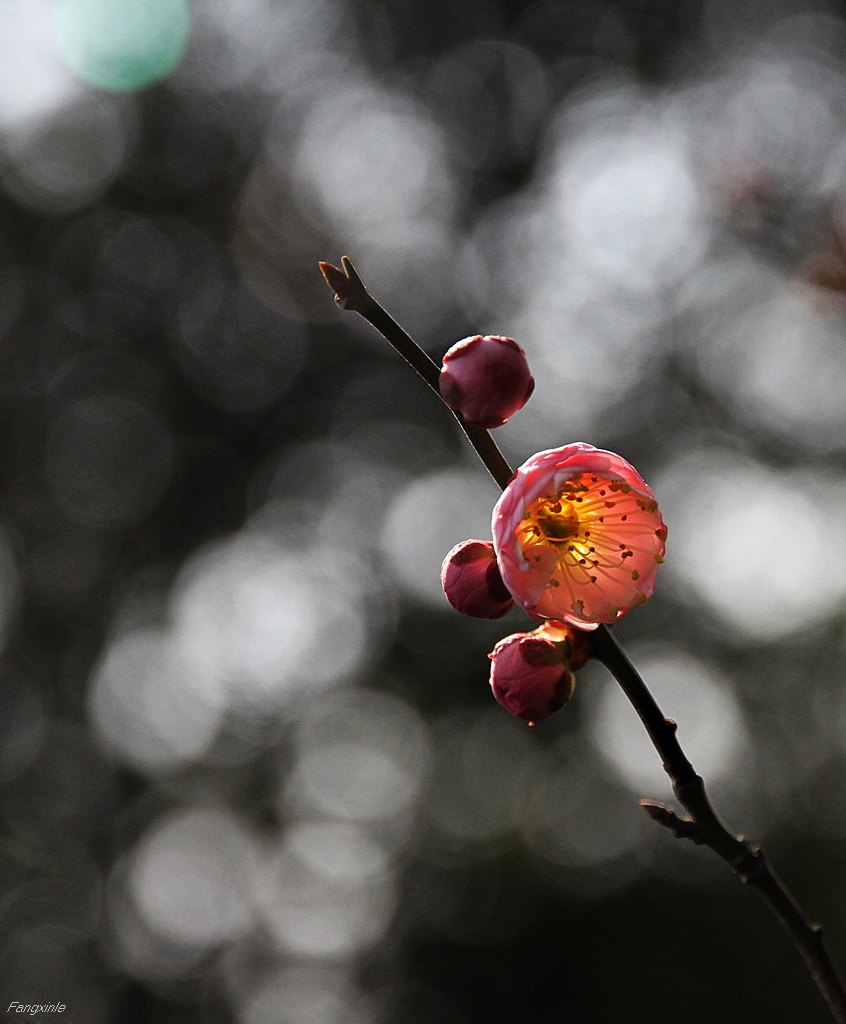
(350, 293)
(747, 860)
(702, 826)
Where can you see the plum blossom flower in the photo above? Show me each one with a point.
(578, 536)
(487, 379)
(472, 583)
(532, 673)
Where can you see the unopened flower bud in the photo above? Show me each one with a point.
(472, 583)
(532, 673)
(487, 379)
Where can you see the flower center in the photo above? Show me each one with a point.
(551, 520)
(591, 523)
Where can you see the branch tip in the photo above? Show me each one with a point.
(352, 273)
(348, 287)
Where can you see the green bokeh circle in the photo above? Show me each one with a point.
(122, 45)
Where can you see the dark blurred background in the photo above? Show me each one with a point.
(251, 768)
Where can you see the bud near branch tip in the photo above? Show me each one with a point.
(348, 287)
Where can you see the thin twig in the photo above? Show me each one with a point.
(703, 827)
(350, 293)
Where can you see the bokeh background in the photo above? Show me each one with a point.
(251, 768)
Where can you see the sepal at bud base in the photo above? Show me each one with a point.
(472, 583)
(487, 379)
(532, 673)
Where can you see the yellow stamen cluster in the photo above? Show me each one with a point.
(593, 525)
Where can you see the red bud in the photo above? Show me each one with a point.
(531, 675)
(487, 379)
(472, 583)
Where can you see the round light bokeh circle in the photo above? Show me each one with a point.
(764, 549)
(121, 45)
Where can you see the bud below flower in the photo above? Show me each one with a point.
(472, 583)
(487, 379)
(532, 673)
